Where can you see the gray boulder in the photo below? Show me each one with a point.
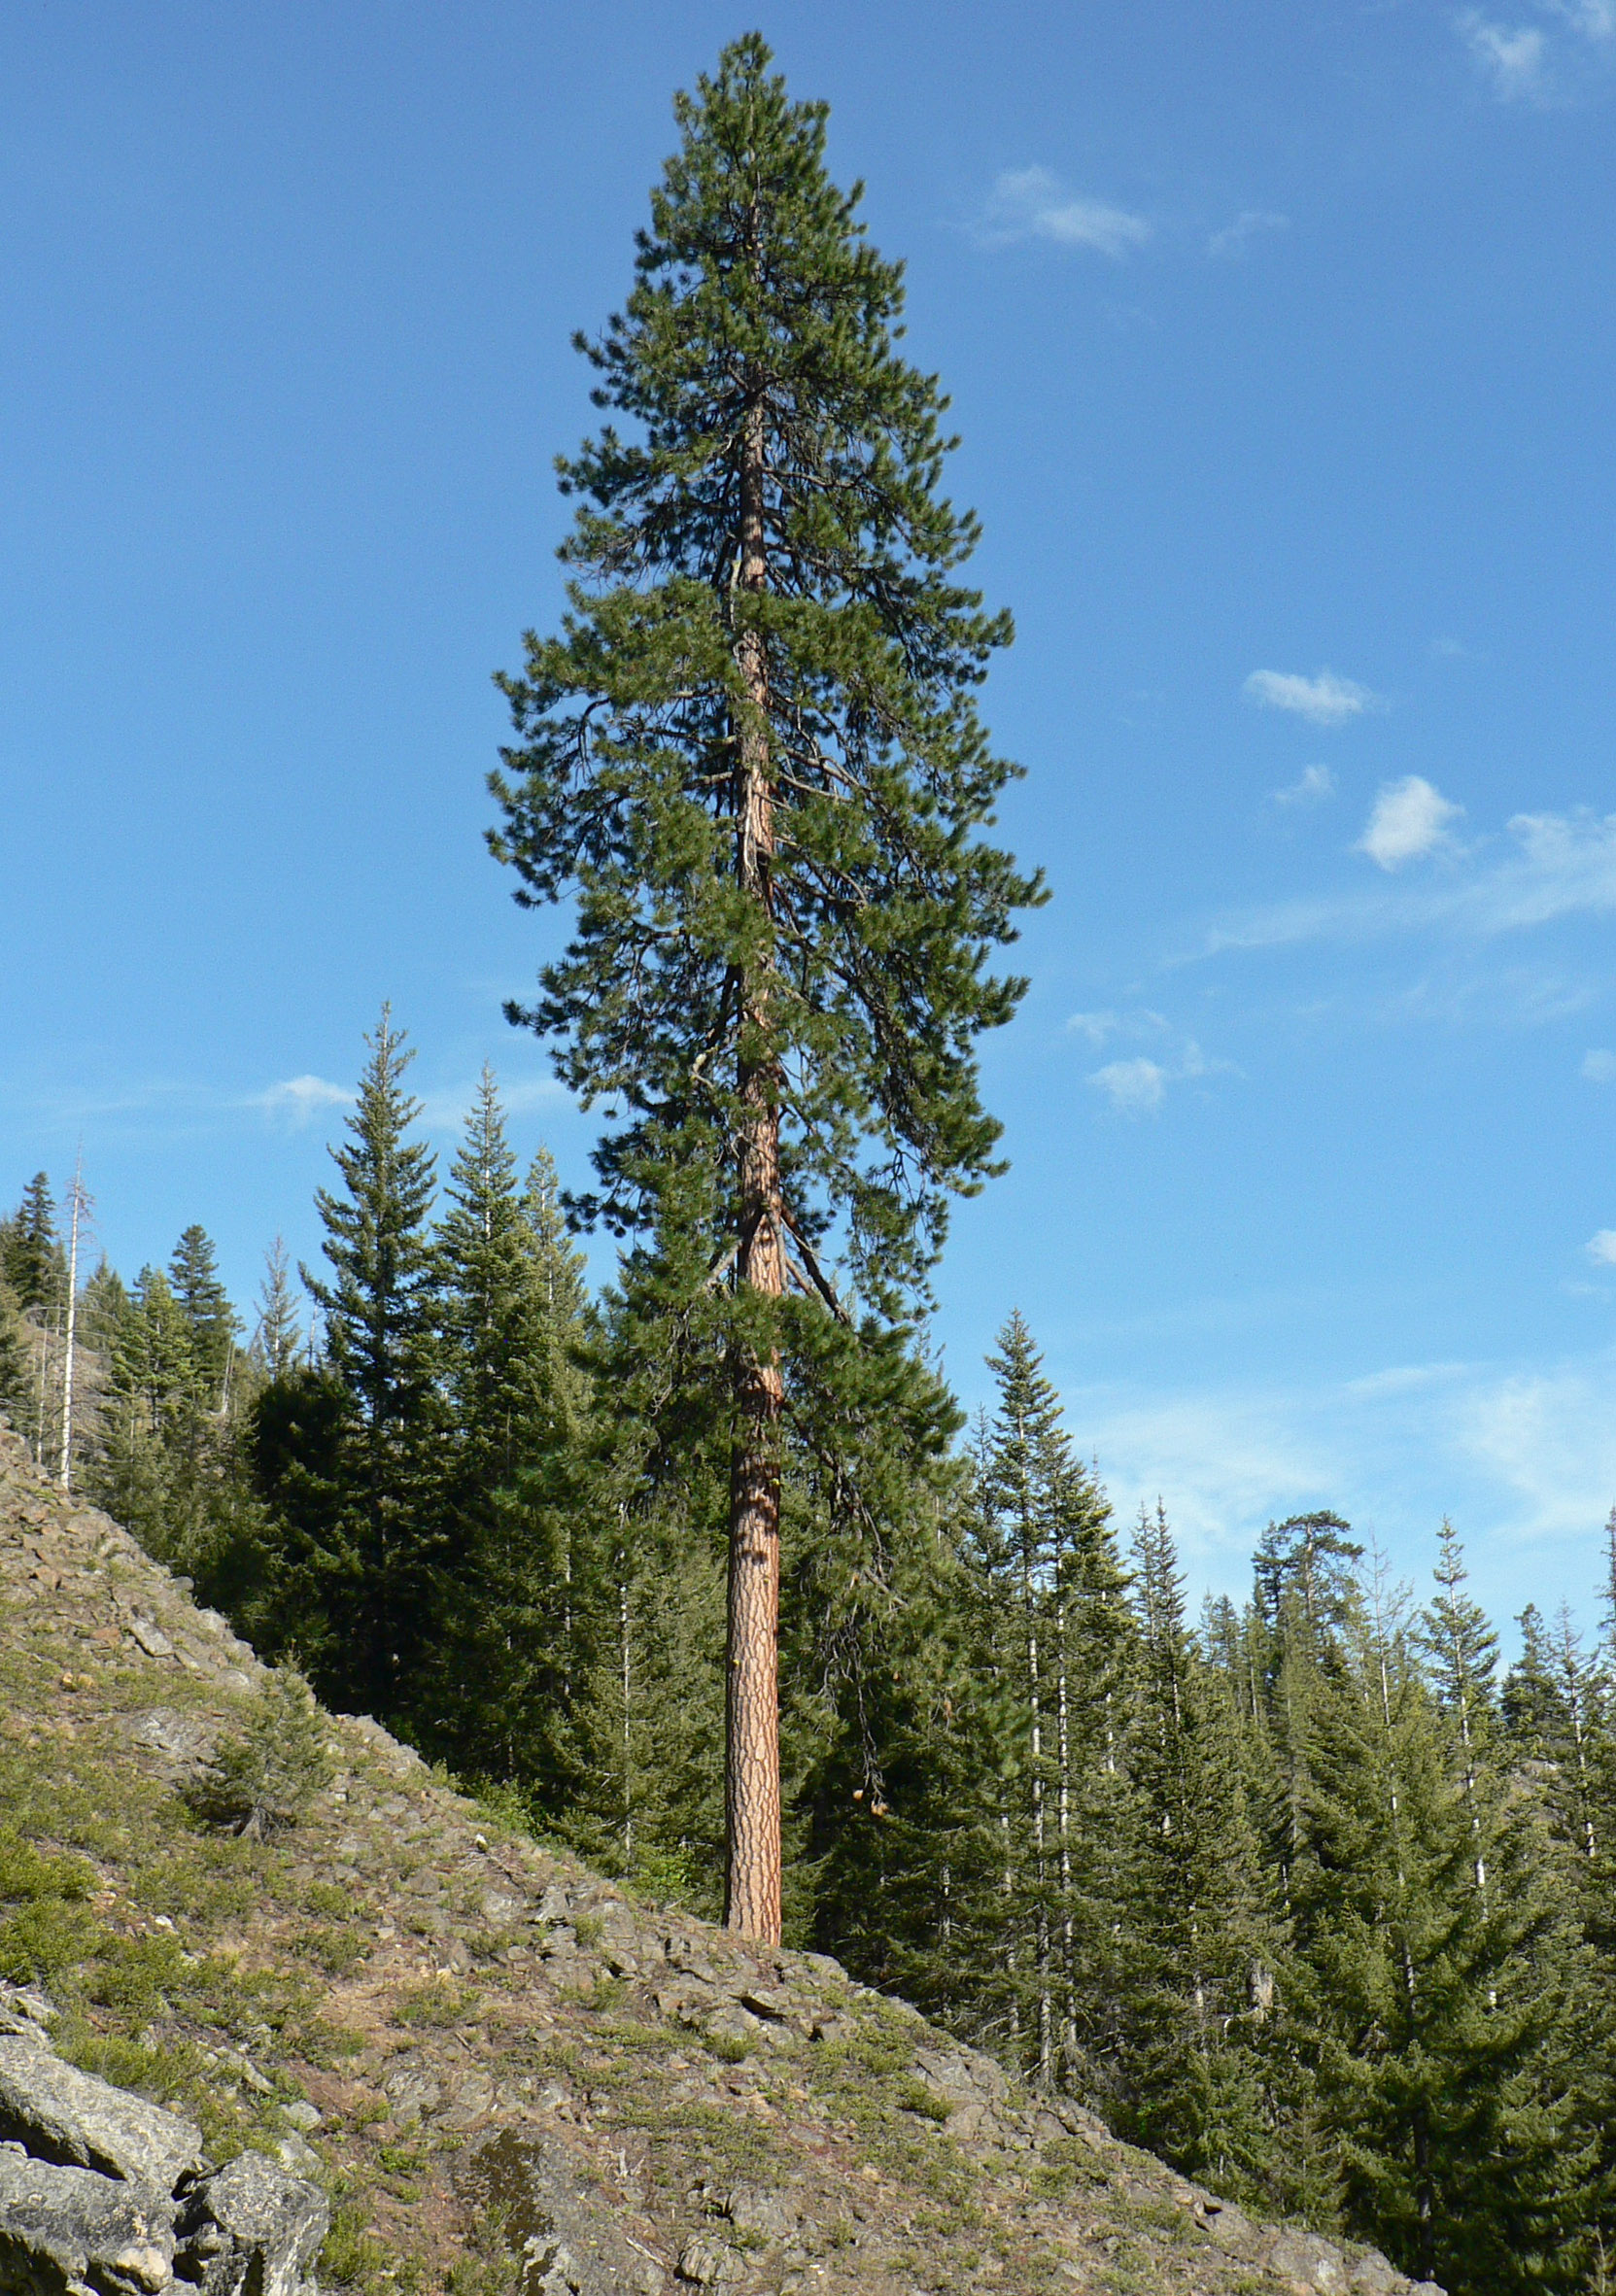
(58, 2113)
(251, 2227)
(65, 2232)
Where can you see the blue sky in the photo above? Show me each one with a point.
(1278, 342)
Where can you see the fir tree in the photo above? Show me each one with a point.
(494, 1309)
(1050, 1652)
(31, 1262)
(753, 755)
(1463, 1648)
(1426, 2012)
(513, 1318)
(371, 1564)
(149, 1470)
(1024, 1466)
(279, 1336)
(1201, 1944)
(16, 1363)
(1533, 1710)
(1305, 1594)
(104, 1309)
(210, 1319)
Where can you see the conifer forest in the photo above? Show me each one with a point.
(703, 1572)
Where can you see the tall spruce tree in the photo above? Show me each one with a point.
(1025, 1469)
(279, 1337)
(1461, 1647)
(149, 1470)
(375, 1535)
(753, 754)
(16, 1363)
(213, 1323)
(1533, 1710)
(1201, 1937)
(32, 1258)
(1427, 2007)
(513, 1315)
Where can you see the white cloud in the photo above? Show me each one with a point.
(301, 1098)
(1317, 784)
(1234, 238)
(1137, 1087)
(1524, 1460)
(1097, 1027)
(1030, 203)
(447, 1108)
(1599, 1068)
(1410, 819)
(1602, 1249)
(1324, 700)
(1513, 57)
(1541, 63)
(1594, 19)
(1134, 1088)
(1563, 865)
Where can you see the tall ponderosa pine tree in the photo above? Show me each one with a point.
(754, 756)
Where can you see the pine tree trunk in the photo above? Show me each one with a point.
(628, 1711)
(752, 1731)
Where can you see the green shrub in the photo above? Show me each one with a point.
(45, 1938)
(917, 2098)
(28, 1875)
(264, 1776)
(439, 2002)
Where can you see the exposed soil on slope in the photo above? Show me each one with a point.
(505, 2070)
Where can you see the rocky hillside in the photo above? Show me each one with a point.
(503, 2072)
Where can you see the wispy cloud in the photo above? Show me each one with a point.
(300, 1098)
(1252, 223)
(1599, 1068)
(1558, 865)
(1317, 784)
(1098, 1027)
(1541, 63)
(1602, 1248)
(1031, 203)
(445, 1108)
(1524, 1460)
(1411, 820)
(1511, 56)
(1324, 700)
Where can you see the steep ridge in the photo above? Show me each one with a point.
(504, 2072)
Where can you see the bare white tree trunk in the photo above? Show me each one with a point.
(80, 1203)
(1068, 1956)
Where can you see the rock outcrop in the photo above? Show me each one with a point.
(102, 2191)
(499, 2061)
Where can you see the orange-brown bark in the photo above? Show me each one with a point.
(752, 1731)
